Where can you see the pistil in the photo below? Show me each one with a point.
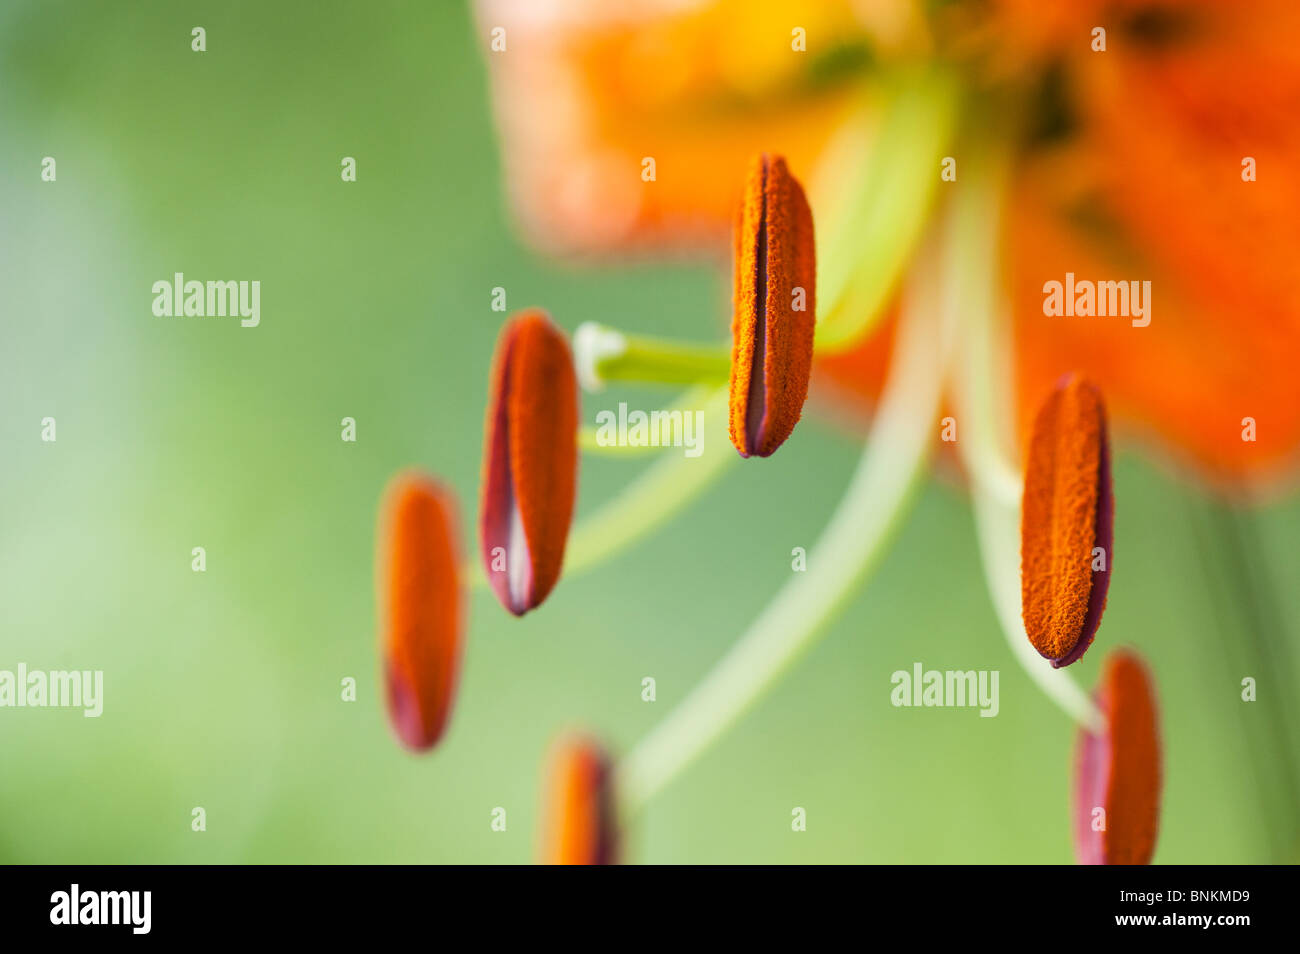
(603, 354)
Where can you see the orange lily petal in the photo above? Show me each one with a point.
(1118, 776)
(587, 90)
(530, 461)
(1149, 187)
(421, 599)
(772, 339)
(580, 827)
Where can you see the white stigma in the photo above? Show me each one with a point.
(592, 344)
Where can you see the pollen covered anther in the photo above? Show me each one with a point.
(775, 308)
(578, 816)
(1117, 774)
(530, 461)
(1067, 523)
(421, 600)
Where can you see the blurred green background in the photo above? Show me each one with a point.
(222, 689)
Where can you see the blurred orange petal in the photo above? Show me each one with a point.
(586, 91)
(1151, 188)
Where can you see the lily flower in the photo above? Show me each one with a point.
(1125, 163)
(1002, 194)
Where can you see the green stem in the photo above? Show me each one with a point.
(901, 440)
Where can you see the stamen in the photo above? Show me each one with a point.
(1118, 775)
(1067, 524)
(579, 822)
(421, 601)
(775, 307)
(756, 406)
(530, 462)
(983, 405)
